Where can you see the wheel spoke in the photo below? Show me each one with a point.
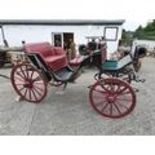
(103, 109)
(20, 75)
(30, 95)
(124, 99)
(27, 72)
(100, 103)
(37, 79)
(107, 90)
(122, 105)
(17, 78)
(111, 87)
(21, 89)
(23, 72)
(122, 90)
(99, 91)
(25, 93)
(34, 95)
(118, 89)
(111, 107)
(39, 93)
(32, 74)
(39, 88)
(114, 103)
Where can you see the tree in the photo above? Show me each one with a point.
(148, 32)
(127, 37)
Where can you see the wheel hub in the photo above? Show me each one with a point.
(28, 84)
(111, 98)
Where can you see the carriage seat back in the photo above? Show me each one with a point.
(54, 57)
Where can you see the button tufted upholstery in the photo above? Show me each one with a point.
(54, 57)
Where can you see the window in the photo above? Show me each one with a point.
(57, 39)
(111, 33)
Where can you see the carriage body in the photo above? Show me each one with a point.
(49, 65)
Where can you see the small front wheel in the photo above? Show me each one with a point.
(29, 83)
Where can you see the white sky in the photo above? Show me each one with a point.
(135, 12)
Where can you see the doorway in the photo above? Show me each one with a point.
(66, 38)
(62, 39)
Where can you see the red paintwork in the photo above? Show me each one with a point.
(54, 57)
(76, 61)
(28, 83)
(112, 98)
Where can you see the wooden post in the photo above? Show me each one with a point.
(3, 37)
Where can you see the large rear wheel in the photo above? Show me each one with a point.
(112, 98)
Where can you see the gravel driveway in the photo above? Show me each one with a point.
(71, 113)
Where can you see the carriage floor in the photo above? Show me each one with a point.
(70, 113)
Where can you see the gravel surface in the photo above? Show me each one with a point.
(71, 114)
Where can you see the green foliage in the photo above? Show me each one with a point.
(127, 37)
(148, 32)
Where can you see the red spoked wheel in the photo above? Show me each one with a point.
(29, 83)
(112, 98)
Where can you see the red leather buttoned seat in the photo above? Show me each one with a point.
(54, 57)
(76, 61)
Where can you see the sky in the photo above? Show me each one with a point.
(135, 12)
(132, 25)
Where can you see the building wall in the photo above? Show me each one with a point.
(149, 44)
(30, 33)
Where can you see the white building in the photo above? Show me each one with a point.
(16, 31)
(149, 44)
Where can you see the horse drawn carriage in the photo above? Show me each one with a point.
(111, 96)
